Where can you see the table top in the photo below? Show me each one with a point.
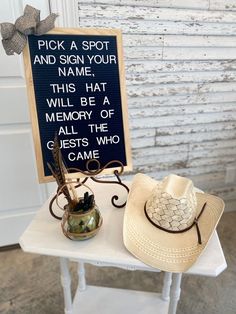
(44, 236)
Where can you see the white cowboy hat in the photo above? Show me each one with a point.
(168, 224)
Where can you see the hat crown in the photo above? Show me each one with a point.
(173, 203)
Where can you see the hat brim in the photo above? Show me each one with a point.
(160, 249)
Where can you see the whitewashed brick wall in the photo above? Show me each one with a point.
(181, 84)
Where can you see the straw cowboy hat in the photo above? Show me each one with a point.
(168, 224)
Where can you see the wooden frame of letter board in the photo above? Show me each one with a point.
(33, 109)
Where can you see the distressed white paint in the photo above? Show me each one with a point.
(154, 14)
(178, 100)
(180, 139)
(163, 78)
(195, 4)
(222, 5)
(179, 110)
(135, 26)
(159, 66)
(181, 84)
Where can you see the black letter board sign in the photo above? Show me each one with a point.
(76, 88)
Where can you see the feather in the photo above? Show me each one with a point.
(58, 170)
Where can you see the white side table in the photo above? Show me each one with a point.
(44, 236)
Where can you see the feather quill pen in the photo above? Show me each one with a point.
(59, 170)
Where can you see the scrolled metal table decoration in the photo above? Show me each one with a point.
(92, 173)
(67, 187)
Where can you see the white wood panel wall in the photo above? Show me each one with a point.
(181, 83)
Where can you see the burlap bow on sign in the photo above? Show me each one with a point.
(14, 36)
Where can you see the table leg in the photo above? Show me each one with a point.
(166, 286)
(175, 293)
(81, 276)
(66, 282)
